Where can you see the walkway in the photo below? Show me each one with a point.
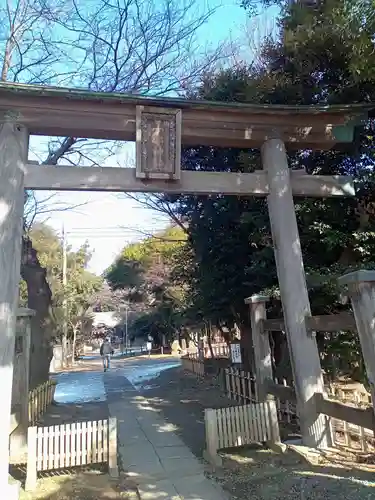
(152, 455)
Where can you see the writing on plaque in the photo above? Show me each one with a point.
(235, 353)
(158, 143)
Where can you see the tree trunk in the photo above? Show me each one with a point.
(209, 341)
(74, 345)
(39, 299)
(246, 343)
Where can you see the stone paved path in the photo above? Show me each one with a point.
(151, 454)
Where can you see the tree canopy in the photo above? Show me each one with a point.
(145, 270)
(81, 284)
(323, 55)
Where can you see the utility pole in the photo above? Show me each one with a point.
(64, 302)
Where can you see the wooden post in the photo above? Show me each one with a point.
(261, 343)
(13, 155)
(20, 389)
(361, 290)
(31, 472)
(263, 359)
(212, 445)
(112, 447)
(303, 349)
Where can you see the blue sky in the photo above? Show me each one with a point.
(109, 221)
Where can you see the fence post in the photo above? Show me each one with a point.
(112, 447)
(261, 343)
(212, 445)
(361, 290)
(31, 471)
(263, 360)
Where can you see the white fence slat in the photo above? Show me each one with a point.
(89, 443)
(238, 426)
(47, 440)
(237, 419)
(244, 425)
(100, 440)
(83, 443)
(220, 419)
(252, 425)
(46, 445)
(105, 441)
(73, 447)
(68, 430)
(228, 420)
(56, 442)
(94, 442)
(264, 419)
(78, 444)
(62, 451)
(40, 448)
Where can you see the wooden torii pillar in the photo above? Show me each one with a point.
(13, 156)
(160, 126)
(303, 350)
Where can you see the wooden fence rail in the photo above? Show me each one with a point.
(240, 386)
(192, 363)
(71, 445)
(239, 426)
(350, 410)
(327, 323)
(39, 400)
(355, 424)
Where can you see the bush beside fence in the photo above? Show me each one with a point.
(71, 445)
(39, 400)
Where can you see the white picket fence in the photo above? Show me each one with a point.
(193, 364)
(220, 350)
(39, 400)
(71, 445)
(240, 425)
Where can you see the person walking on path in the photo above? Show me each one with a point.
(106, 351)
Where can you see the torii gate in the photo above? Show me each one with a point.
(160, 126)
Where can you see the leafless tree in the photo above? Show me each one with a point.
(133, 46)
(137, 46)
(244, 49)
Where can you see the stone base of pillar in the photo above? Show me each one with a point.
(12, 490)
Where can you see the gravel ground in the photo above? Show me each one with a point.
(255, 474)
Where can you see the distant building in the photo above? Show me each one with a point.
(109, 319)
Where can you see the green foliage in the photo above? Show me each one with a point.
(324, 56)
(144, 270)
(318, 60)
(81, 284)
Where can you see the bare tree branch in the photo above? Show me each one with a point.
(133, 46)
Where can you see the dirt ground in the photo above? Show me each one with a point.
(90, 485)
(256, 473)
